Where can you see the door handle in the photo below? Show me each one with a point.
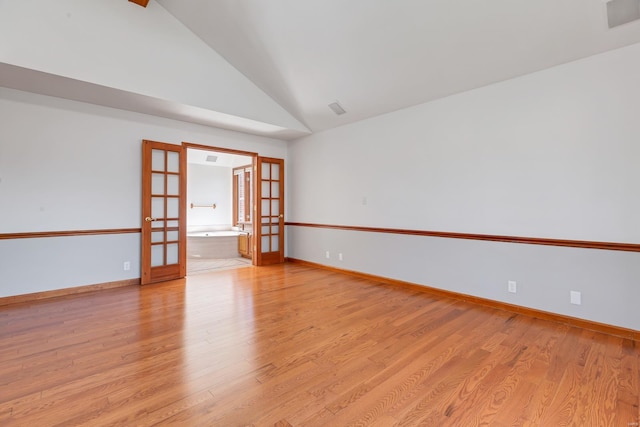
(149, 219)
(281, 215)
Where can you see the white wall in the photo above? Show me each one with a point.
(119, 45)
(66, 165)
(208, 185)
(552, 154)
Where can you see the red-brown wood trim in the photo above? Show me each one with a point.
(40, 234)
(277, 256)
(142, 3)
(538, 314)
(218, 149)
(67, 291)
(235, 190)
(612, 246)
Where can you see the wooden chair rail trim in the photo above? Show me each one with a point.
(539, 314)
(40, 234)
(36, 296)
(611, 246)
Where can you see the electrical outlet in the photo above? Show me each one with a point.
(327, 255)
(340, 256)
(126, 266)
(512, 286)
(576, 297)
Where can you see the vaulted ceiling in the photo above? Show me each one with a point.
(272, 67)
(376, 56)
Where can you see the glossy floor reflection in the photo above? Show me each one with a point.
(205, 265)
(294, 345)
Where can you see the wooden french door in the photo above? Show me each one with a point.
(269, 216)
(163, 206)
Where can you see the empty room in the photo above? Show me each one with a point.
(319, 213)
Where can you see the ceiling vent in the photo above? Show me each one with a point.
(337, 108)
(212, 159)
(621, 12)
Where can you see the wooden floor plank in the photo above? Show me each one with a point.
(290, 345)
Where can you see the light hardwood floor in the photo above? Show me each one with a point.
(293, 345)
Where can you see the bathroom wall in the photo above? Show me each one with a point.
(208, 185)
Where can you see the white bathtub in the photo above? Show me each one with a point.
(224, 233)
(217, 244)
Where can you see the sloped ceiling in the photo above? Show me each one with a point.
(272, 67)
(376, 56)
(117, 54)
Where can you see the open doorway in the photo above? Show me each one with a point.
(219, 216)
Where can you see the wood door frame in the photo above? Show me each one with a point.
(254, 161)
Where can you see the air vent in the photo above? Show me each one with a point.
(621, 12)
(337, 108)
(212, 159)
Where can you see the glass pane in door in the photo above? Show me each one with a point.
(157, 183)
(157, 207)
(266, 187)
(157, 236)
(173, 207)
(157, 255)
(173, 162)
(173, 185)
(172, 253)
(157, 160)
